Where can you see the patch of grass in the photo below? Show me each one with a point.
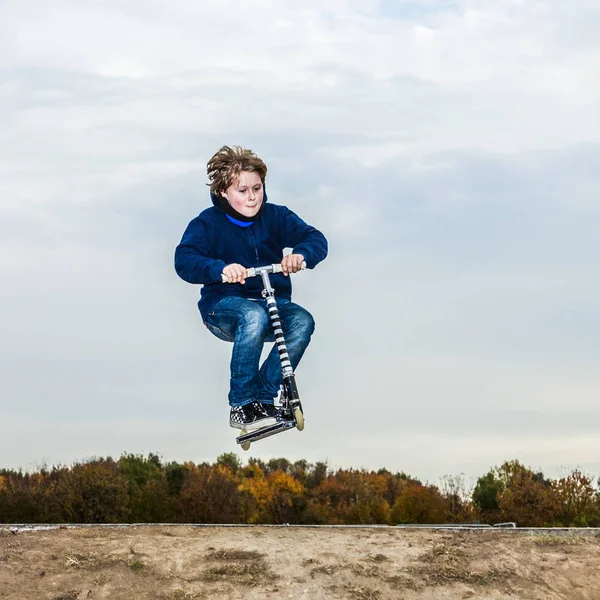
(444, 564)
(230, 570)
(234, 554)
(180, 594)
(493, 576)
(325, 570)
(359, 593)
(365, 570)
(376, 557)
(72, 595)
(242, 566)
(137, 566)
(249, 574)
(79, 560)
(482, 579)
(445, 553)
(356, 568)
(364, 593)
(399, 582)
(548, 539)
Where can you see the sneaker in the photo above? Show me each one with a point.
(249, 416)
(270, 410)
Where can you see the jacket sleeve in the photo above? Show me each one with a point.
(192, 261)
(303, 239)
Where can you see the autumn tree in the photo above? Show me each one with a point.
(208, 495)
(577, 500)
(354, 497)
(147, 487)
(255, 498)
(231, 461)
(316, 474)
(418, 504)
(278, 464)
(24, 498)
(92, 492)
(486, 492)
(286, 498)
(527, 498)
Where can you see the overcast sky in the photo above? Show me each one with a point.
(448, 149)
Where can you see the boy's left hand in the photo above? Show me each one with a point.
(292, 263)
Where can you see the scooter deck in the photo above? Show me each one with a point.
(265, 432)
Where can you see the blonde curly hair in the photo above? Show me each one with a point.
(226, 165)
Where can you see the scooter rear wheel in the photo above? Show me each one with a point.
(245, 445)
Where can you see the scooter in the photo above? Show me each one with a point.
(289, 414)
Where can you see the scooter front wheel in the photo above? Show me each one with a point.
(299, 418)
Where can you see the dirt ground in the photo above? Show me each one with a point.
(218, 563)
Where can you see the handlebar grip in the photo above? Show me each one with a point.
(251, 272)
(277, 268)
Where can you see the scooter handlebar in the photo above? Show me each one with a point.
(254, 271)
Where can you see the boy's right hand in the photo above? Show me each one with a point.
(235, 273)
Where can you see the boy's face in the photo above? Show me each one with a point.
(246, 194)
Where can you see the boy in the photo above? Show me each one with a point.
(240, 231)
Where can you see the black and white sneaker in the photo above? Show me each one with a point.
(270, 410)
(250, 416)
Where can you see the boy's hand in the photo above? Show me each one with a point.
(235, 273)
(292, 263)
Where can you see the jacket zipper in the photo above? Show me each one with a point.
(255, 246)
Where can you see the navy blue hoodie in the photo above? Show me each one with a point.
(211, 242)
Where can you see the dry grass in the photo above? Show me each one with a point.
(325, 570)
(401, 582)
(357, 593)
(377, 557)
(72, 595)
(234, 554)
(444, 563)
(365, 570)
(357, 569)
(247, 574)
(95, 561)
(246, 567)
(180, 594)
(547, 539)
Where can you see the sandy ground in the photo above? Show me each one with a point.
(219, 563)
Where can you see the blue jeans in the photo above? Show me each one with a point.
(246, 323)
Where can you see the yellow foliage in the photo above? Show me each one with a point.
(258, 488)
(283, 482)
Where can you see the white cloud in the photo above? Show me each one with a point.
(448, 150)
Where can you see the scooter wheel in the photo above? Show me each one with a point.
(299, 418)
(245, 445)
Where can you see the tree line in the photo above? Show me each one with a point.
(145, 489)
